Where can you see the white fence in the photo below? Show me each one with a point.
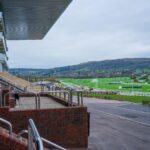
(135, 93)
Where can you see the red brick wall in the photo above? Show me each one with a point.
(4, 92)
(10, 142)
(67, 127)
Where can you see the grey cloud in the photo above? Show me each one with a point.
(89, 30)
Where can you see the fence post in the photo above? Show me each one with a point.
(78, 98)
(59, 94)
(30, 139)
(65, 96)
(70, 98)
(81, 98)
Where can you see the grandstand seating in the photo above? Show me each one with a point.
(14, 80)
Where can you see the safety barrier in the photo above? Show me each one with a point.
(35, 141)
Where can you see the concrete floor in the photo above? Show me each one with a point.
(118, 125)
(29, 103)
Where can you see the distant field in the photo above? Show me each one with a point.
(117, 84)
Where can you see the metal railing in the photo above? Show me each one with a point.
(33, 135)
(70, 93)
(62, 94)
(8, 124)
(35, 96)
(52, 87)
(22, 133)
(53, 144)
(9, 82)
(1, 98)
(3, 101)
(79, 98)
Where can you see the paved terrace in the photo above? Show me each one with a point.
(29, 103)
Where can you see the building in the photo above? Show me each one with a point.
(3, 46)
(26, 20)
(58, 118)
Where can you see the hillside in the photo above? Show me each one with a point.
(106, 68)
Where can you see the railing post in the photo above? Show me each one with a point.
(30, 139)
(36, 102)
(39, 101)
(0, 98)
(33, 135)
(59, 94)
(81, 98)
(78, 98)
(70, 98)
(65, 96)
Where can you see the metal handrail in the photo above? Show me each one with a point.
(35, 95)
(52, 144)
(68, 93)
(22, 133)
(36, 98)
(1, 98)
(51, 86)
(10, 82)
(8, 124)
(43, 139)
(34, 136)
(79, 97)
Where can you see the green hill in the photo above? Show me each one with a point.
(106, 68)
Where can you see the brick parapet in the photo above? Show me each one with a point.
(67, 127)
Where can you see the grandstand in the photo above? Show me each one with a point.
(3, 46)
(14, 81)
(24, 20)
(59, 119)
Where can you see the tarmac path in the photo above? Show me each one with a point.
(118, 125)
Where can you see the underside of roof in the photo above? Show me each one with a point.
(30, 19)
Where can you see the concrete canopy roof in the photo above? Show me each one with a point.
(31, 19)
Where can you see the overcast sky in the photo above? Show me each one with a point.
(89, 30)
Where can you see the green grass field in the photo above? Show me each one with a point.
(133, 99)
(104, 83)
